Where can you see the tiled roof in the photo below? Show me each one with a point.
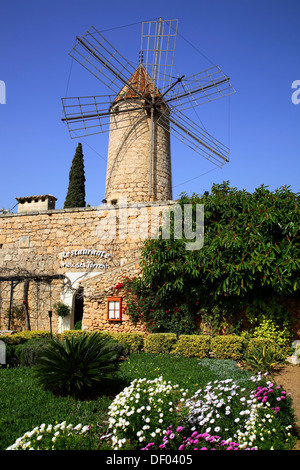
(141, 82)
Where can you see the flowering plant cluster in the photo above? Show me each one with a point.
(175, 439)
(224, 416)
(142, 411)
(58, 437)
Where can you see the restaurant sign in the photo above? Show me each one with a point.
(78, 259)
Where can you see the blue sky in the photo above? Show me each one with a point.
(255, 42)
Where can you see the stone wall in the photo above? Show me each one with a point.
(73, 243)
(95, 299)
(128, 162)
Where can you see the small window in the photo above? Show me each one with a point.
(114, 308)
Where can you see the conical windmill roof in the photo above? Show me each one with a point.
(142, 84)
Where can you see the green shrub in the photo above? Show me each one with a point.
(69, 333)
(227, 347)
(134, 341)
(160, 343)
(192, 346)
(27, 353)
(268, 329)
(76, 363)
(262, 356)
(23, 336)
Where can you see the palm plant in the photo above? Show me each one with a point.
(77, 363)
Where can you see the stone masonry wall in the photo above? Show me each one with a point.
(96, 293)
(75, 243)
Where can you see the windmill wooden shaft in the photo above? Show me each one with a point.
(128, 170)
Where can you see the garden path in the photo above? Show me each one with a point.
(289, 377)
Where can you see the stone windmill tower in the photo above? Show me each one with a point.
(128, 170)
(146, 107)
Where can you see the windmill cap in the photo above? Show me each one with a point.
(139, 85)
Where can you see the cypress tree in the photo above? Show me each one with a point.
(76, 190)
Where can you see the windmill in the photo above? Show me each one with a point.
(146, 105)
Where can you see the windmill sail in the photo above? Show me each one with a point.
(102, 60)
(203, 87)
(90, 115)
(158, 40)
(196, 138)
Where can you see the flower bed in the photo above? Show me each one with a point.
(221, 416)
(189, 407)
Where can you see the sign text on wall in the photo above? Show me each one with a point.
(68, 259)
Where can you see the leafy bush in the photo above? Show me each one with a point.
(263, 355)
(268, 329)
(134, 341)
(28, 353)
(228, 347)
(69, 333)
(160, 342)
(77, 363)
(23, 336)
(192, 346)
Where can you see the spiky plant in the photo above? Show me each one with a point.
(78, 362)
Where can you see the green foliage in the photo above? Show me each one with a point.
(228, 347)
(160, 342)
(159, 314)
(134, 341)
(251, 250)
(77, 363)
(29, 352)
(269, 330)
(192, 346)
(61, 309)
(263, 356)
(23, 336)
(270, 319)
(76, 189)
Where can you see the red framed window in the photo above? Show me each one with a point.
(114, 308)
